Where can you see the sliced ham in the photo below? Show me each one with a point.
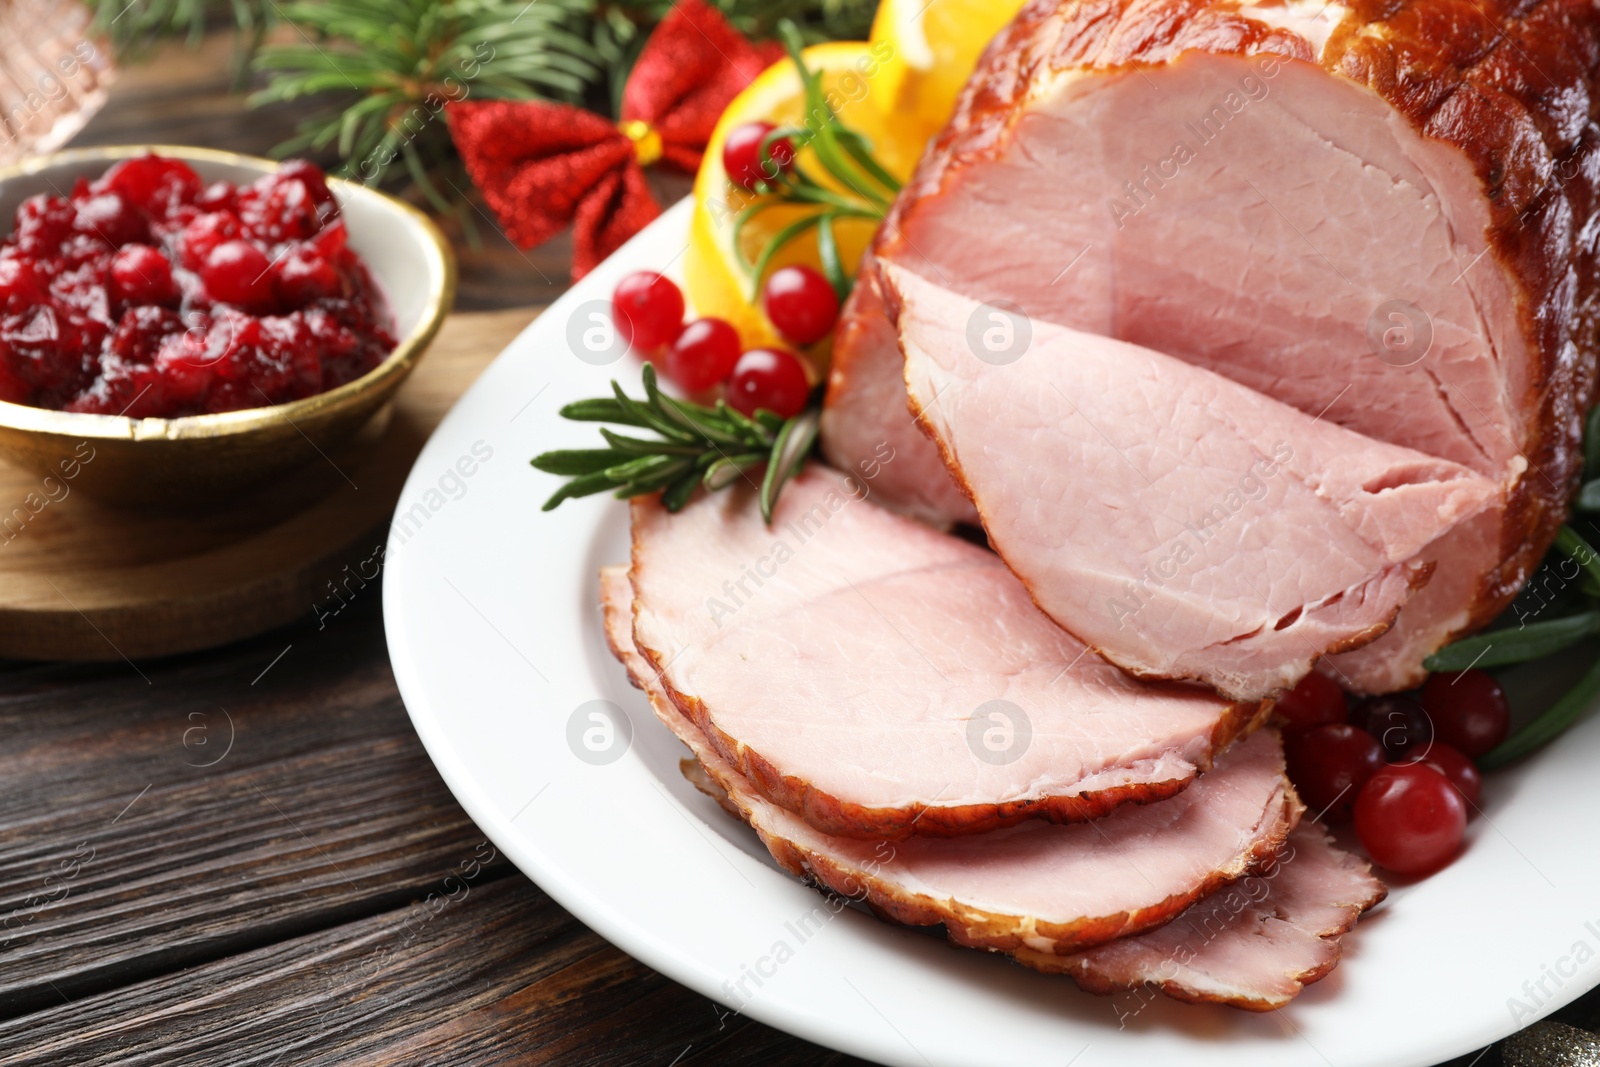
(1040, 886)
(880, 679)
(1253, 945)
(1179, 523)
(1384, 216)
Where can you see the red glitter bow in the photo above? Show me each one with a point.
(541, 166)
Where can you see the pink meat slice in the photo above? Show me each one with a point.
(1383, 215)
(1254, 945)
(1179, 523)
(1044, 887)
(880, 678)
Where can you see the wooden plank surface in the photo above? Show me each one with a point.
(89, 581)
(244, 857)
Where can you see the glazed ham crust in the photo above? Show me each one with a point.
(1509, 86)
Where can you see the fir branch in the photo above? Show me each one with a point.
(386, 69)
(135, 26)
(695, 446)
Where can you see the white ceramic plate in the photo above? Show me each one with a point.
(496, 643)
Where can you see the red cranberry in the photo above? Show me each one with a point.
(19, 282)
(1469, 710)
(741, 155)
(202, 236)
(1329, 765)
(142, 331)
(112, 219)
(304, 276)
(43, 222)
(141, 275)
(648, 310)
(218, 196)
(768, 378)
(703, 354)
(282, 211)
(1453, 765)
(310, 176)
(1398, 722)
(13, 390)
(1410, 819)
(237, 272)
(801, 304)
(154, 183)
(1316, 701)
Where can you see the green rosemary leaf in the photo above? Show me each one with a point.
(658, 477)
(1571, 544)
(572, 461)
(653, 419)
(789, 451)
(774, 246)
(828, 253)
(751, 429)
(1589, 496)
(770, 422)
(587, 485)
(1591, 444)
(861, 151)
(678, 493)
(602, 409)
(1501, 648)
(639, 446)
(703, 421)
(729, 469)
(1550, 724)
(742, 219)
(825, 197)
(691, 418)
(639, 468)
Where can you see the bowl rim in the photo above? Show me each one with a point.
(441, 259)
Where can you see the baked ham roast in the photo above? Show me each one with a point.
(1228, 538)
(879, 678)
(1037, 886)
(1383, 215)
(1254, 945)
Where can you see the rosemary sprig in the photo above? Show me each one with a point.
(1507, 645)
(1578, 600)
(694, 446)
(852, 184)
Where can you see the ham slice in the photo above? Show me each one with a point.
(1254, 945)
(1040, 886)
(1380, 215)
(881, 679)
(1179, 523)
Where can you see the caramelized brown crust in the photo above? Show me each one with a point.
(1511, 85)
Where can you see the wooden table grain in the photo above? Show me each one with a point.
(244, 856)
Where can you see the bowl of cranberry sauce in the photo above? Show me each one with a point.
(179, 324)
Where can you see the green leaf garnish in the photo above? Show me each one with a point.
(697, 446)
(857, 186)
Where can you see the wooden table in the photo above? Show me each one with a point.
(245, 857)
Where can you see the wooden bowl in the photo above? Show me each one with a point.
(199, 459)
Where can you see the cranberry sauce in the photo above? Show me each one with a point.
(147, 293)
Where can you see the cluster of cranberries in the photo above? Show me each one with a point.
(149, 293)
(1400, 766)
(704, 353)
